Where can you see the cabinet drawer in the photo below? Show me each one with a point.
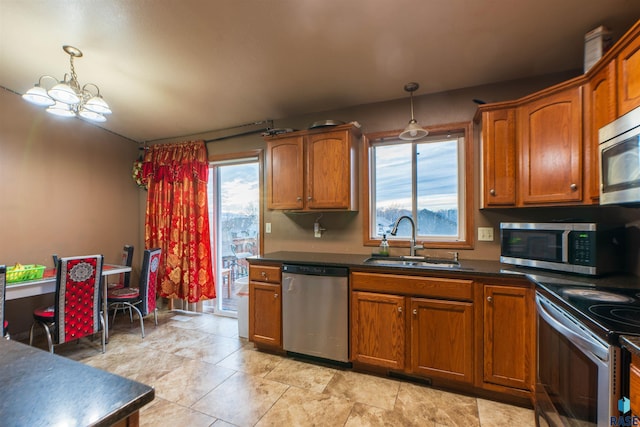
(457, 289)
(264, 273)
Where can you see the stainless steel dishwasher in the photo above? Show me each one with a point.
(315, 311)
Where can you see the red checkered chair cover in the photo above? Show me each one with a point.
(143, 298)
(76, 313)
(127, 259)
(4, 325)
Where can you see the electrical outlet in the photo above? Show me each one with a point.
(485, 234)
(267, 227)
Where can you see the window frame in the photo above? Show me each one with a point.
(464, 128)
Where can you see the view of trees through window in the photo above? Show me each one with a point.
(420, 179)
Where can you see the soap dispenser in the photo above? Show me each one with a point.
(384, 246)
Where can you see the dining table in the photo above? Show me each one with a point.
(47, 285)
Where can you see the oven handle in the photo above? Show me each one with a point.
(571, 331)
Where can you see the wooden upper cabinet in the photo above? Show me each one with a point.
(601, 109)
(285, 185)
(550, 146)
(313, 170)
(628, 64)
(329, 170)
(499, 157)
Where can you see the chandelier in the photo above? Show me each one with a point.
(67, 98)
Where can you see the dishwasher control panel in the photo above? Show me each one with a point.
(315, 270)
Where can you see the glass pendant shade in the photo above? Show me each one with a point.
(61, 109)
(62, 92)
(91, 115)
(38, 95)
(97, 105)
(413, 131)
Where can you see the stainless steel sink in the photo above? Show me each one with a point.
(415, 262)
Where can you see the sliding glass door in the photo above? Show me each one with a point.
(234, 197)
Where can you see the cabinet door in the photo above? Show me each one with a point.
(634, 385)
(442, 339)
(601, 104)
(509, 321)
(329, 170)
(628, 62)
(265, 311)
(378, 329)
(499, 157)
(285, 184)
(551, 148)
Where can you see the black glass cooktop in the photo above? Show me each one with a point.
(612, 311)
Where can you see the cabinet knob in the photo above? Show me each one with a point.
(309, 198)
(492, 192)
(573, 187)
(415, 311)
(399, 309)
(264, 274)
(298, 199)
(275, 296)
(490, 299)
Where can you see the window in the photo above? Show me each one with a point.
(427, 180)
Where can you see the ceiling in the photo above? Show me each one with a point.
(173, 68)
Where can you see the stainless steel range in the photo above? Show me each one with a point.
(579, 358)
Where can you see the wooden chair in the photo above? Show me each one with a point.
(77, 310)
(4, 325)
(143, 298)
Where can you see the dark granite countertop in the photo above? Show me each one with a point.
(40, 389)
(467, 268)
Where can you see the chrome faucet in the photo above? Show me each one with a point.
(412, 244)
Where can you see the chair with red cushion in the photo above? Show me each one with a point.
(143, 298)
(77, 311)
(4, 325)
(127, 259)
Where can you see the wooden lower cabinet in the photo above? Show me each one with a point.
(509, 336)
(265, 306)
(378, 329)
(442, 339)
(420, 336)
(634, 385)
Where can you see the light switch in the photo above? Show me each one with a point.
(485, 234)
(267, 227)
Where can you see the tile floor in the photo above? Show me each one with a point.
(205, 375)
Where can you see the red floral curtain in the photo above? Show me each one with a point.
(177, 219)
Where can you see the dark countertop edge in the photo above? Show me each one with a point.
(128, 409)
(631, 343)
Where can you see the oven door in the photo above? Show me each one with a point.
(576, 382)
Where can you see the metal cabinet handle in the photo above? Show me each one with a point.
(490, 299)
(298, 199)
(573, 187)
(275, 295)
(415, 311)
(399, 309)
(264, 274)
(492, 192)
(309, 198)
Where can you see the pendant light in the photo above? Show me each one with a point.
(66, 98)
(413, 130)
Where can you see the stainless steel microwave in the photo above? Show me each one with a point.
(582, 248)
(619, 143)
